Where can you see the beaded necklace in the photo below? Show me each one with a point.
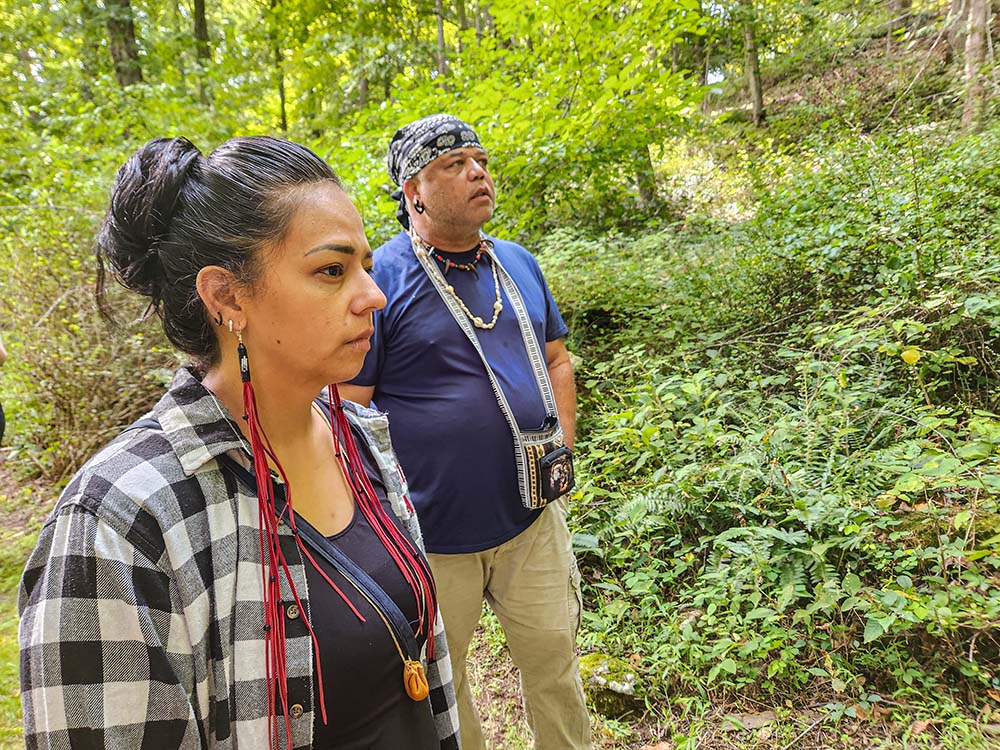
(448, 263)
(428, 249)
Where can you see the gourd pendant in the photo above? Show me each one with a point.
(415, 680)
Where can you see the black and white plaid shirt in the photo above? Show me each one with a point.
(142, 622)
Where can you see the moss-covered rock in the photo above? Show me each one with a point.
(611, 684)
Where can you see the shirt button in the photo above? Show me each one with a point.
(292, 612)
(296, 711)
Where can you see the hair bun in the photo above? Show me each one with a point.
(146, 195)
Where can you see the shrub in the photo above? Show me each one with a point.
(790, 458)
(70, 382)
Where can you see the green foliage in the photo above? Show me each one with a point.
(568, 102)
(606, 284)
(790, 464)
(11, 735)
(70, 382)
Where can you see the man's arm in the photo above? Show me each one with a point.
(359, 394)
(563, 388)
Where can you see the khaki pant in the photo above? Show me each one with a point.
(532, 584)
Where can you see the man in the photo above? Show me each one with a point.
(451, 421)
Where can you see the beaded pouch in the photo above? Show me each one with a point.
(549, 467)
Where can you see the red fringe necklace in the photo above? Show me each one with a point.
(274, 566)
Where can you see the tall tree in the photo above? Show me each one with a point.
(957, 20)
(202, 50)
(279, 64)
(279, 69)
(122, 42)
(201, 44)
(442, 60)
(975, 56)
(751, 61)
(463, 22)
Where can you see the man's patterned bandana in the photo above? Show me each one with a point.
(416, 145)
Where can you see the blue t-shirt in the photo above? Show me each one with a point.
(451, 438)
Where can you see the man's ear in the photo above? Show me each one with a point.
(218, 290)
(410, 189)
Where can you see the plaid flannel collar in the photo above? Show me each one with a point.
(195, 423)
(199, 427)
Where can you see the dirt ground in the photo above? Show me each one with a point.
(732, 726)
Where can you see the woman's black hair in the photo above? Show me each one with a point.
(174, 212)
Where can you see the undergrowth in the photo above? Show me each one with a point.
(790, 450)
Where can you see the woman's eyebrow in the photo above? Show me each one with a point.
(346, 249)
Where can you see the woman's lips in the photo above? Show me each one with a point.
(362, 342)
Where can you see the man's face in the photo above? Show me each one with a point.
(457, 190)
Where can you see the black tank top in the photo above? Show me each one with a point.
(367, 705)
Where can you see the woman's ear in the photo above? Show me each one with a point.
(217, 288)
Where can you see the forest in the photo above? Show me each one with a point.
(772, 228)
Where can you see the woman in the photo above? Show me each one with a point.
(253, 582)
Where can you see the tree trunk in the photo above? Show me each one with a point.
(201, 48)
(363, 92)
(484, 22)
(122, 43)
(202, 51)
(90, 54)
(645, 179)
(701, 52)
(975, 56)
(489, 23)
(751, 64)
(958, 13)
(279, 68)
(442, 65)
(703, 77)
(463, 23)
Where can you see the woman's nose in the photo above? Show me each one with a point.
(371, 296)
